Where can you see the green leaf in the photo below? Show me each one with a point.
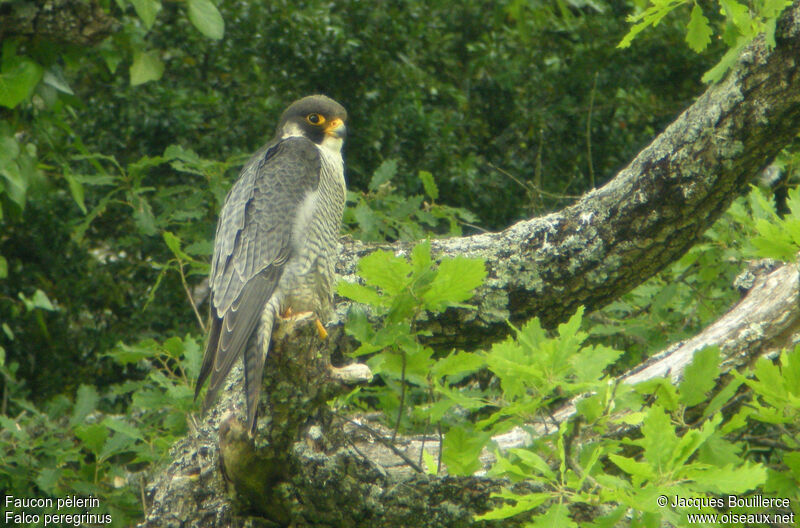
(192, 356)
(76, 190)
(555, 517)
(458, 364)
(85, 402)
(421, 257)
(17, 183)
(39, 300)
(92, 436)
(632, 467)
(431, 465)
(455, 281)
(123, 427)
(523, 503)
(732, 480)
(699, 377)
(716, 73)
(384, 270)
(147, 11)
(174, 347)
(205, 16)
(790, 367)
(461, 448)
(3, 268)
(660, 440)
(174, 244)
(722, 397)
(635, 30)
(13, 428)
(590, 362)
(693, 439)
(126, 354)
(383, 173)
(18, 77)
(792, 461)
(55, 77)
(360, 293)
(698, 34)
(147, 66)
(111, 56)
(739, 14)
(773, 8)
(665, 392)
(143, 215)
(535, 462)
(47, 479)
(357, 324)
(429, 184)
(117, 443)
(9, 150)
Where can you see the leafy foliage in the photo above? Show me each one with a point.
(83, 446)
(401, 292)
(777, 238)
(381, 213)
(741, 24)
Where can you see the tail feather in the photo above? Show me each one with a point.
(210, 353)
(254, 357)
(231, 332)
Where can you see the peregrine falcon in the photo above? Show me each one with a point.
(275, 243)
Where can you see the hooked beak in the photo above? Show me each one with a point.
(336, 129)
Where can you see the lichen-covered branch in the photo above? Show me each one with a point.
(650, 214)
(303, 466)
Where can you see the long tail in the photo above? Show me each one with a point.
(254, 357)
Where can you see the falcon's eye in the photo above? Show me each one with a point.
(315, 119)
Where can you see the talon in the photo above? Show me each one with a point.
(321, 330)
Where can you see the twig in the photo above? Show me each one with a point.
(441, 439)
(386, 443)
(589, 132)
(144, 502)
(402, 395)
(530, 186)
(766, 442)
(189, 295)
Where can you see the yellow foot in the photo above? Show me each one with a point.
(321, 329)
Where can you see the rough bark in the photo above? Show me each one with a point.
(650, 214)
(307, 467)
(64, 21)
(303, 467)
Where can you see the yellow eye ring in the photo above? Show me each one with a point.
(315, 119)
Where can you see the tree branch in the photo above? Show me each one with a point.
(616, 237)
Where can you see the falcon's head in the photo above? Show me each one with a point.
(316, 117)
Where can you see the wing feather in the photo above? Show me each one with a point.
(252, 243)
